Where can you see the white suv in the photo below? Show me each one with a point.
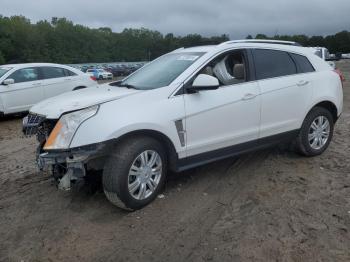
(23, 85)
(187, 108)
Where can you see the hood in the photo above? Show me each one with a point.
(54, 107)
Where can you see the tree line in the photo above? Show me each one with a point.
(62, 41)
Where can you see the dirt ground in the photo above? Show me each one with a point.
(271, 205)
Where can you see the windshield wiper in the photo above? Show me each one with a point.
(127, 86)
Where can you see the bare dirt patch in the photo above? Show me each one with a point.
(271, 205)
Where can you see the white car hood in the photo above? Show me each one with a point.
(54, 107)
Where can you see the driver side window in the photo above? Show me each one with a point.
(229, 68)
(25, 75)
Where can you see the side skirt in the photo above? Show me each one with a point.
(219, 154)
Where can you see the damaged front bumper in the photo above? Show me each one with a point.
(71, 165)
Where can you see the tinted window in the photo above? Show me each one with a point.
(69, 73)
(303, 64)
(53, 72)
(25, 75)
(271, 63)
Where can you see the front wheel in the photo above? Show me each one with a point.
(316, 132)
(135, 173)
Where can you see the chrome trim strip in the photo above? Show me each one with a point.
(180, 131)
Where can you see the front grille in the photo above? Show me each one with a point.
(31, 124)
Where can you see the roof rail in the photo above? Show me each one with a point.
(261, 41)
(181, 48)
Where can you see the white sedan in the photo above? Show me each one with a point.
(23, 85)
(99, 74)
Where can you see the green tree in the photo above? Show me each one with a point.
(2, 59)
(61, 41)
(261, 36)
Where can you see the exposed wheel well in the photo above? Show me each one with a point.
(79, 87)
(330, 107)
(172, 156)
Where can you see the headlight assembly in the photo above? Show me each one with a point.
(62, 135)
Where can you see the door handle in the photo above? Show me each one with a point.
(302, 83)
(36, 84)
(67, 79)
(248, 96)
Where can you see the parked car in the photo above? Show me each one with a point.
(99, 74)
(185, 109)
(120, 71)
(323, 53)
(23, 85)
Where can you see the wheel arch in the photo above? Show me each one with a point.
(330, 106)
(171, 154)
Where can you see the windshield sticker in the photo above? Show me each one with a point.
(188, 57)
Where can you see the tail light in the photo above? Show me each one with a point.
(340, 74)
(93, 78)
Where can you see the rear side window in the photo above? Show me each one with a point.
(53, 72)
(272, 63)
(69, 73)
(303, 64)
(25, 75)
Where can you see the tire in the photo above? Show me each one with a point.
(306, 147)
(116, 179)
(100, 77)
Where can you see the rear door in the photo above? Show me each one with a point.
(56, 80)
(285, 91)
(25, 92)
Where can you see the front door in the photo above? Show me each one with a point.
(24, 93)
(227, 116)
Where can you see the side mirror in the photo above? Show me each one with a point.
(8, 81)
(204, 82)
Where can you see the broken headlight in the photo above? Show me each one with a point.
(62, 135)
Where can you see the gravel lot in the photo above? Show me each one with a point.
(271, 205)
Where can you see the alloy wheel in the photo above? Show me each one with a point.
(319, 132)
(144, 174)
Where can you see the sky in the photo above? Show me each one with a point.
(237, 18)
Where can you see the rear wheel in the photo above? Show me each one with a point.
(135, 173)
(316, 132)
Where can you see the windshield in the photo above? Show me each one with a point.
(162, 71)
(3, 70)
